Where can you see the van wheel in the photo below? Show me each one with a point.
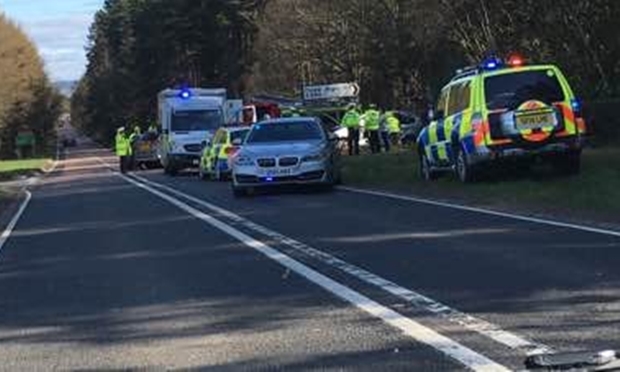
(568, 164)
(465, 171)
(424, 168)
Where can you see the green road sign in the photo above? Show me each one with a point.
(25, 139)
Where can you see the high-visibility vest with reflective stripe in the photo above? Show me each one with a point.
(393, 124)
(371, 120)
(123, 145)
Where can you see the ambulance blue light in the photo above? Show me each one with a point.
(576, 105)
(269, 179)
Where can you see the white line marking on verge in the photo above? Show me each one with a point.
(415, 299)
(409, 327)
(518, 217)
(9, 229)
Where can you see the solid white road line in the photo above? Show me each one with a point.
(415, 299)
(9, 229)
(409, 327)
(513, 216)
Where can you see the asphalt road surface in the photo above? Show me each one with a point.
(105, 272)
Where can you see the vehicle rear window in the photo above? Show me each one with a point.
(508, 91)
(285, 132)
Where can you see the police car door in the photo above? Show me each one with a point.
(435, 129)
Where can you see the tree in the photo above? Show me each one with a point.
(27, 99)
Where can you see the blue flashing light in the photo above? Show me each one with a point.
(492, 63)
(185, 94)
(269, 179)
(576, 105)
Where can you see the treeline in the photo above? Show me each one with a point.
(28, 102)
(400, 51)
(404, 50)
(139, 47)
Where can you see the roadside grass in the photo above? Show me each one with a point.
(10, 169)
(595, 193)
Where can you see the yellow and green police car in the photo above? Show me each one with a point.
(502, 110)
(214, 162)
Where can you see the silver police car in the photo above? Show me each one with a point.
(293, 151)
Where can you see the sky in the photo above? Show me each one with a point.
(59, 28)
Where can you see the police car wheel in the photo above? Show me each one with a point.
(464, 170)
(426, 173)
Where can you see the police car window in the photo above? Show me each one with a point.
(508, 91)
(459, 98)
(196, 120)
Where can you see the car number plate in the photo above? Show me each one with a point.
(195, 161)
(277, 172)
(534, 121)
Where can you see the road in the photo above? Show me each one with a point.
(150, 272)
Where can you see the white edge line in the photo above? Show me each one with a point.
(418, 300)
(409, 327)
(9, 229)
(538, 220)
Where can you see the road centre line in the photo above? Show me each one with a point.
(409, 327)
(6, 234)
(537, 220)
(415, 299)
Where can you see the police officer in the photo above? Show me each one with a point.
(371, 124)
(133, 138)
(123, 149)
(351, 120)
(393, 127)
(384, 131)
(135, 134)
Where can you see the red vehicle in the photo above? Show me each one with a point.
(257, 111)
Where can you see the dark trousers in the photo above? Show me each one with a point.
(353, 141)
(124, 163)
(385, 139)
(375, 144)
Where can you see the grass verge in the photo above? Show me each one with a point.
(10, 169)
(592, 195)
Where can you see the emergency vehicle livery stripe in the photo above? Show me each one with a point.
(439, 133)
(435, 153)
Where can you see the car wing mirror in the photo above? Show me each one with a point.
(237, 142)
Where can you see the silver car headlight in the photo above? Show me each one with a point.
(244, 161)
